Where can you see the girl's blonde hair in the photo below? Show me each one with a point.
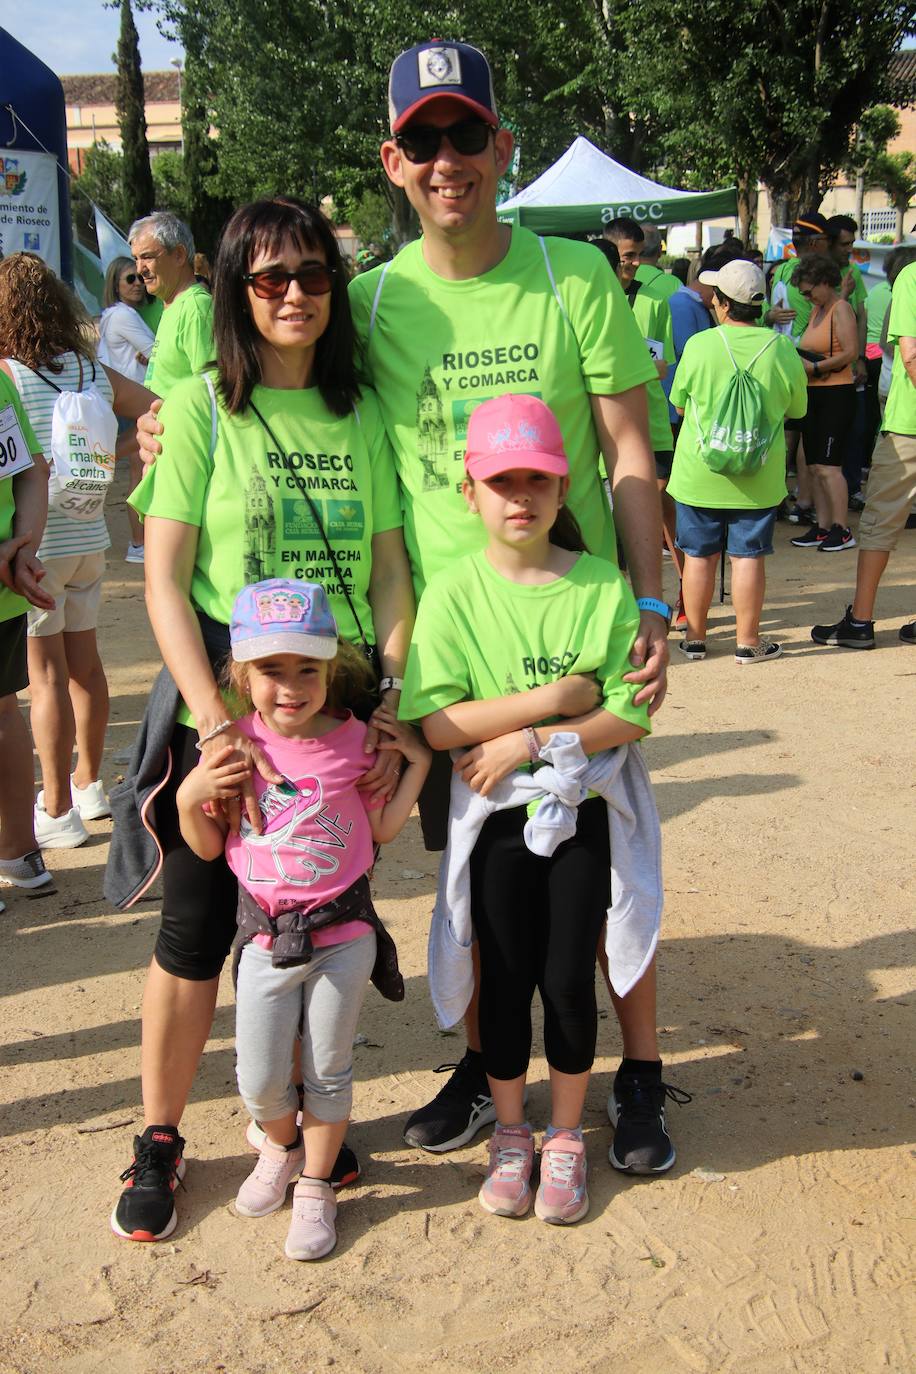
(350, 678)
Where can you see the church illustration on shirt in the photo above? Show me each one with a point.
(432, 435)
(260, 531)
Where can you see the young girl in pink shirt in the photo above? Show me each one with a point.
(312, 937)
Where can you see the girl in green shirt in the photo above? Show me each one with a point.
(528, 632)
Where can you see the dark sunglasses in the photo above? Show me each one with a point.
(131, 278)
(314, 278)
(421, 142)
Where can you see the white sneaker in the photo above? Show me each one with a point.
(90, 802)
(134, 553)
(59, 832)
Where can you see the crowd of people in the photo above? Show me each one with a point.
(382, 523)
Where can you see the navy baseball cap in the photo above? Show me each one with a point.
(439, 68)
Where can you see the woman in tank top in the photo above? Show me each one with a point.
(832, 345)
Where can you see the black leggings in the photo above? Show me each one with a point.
(199, 899)
(537, 923)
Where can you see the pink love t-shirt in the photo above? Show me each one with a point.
(316, 839)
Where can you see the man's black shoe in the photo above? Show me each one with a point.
(636, 1108)
(846, 633)
(457, 1112)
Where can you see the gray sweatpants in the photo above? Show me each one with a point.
(327, 995)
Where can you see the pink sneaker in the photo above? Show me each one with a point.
(562, 1197)
(264, 1190)
(506, 1190)
(312, 1231)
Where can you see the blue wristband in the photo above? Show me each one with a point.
(652, 603)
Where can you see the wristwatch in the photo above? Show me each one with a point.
(652, 603)
(388, 684)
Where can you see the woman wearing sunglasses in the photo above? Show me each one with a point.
(828, 348)
(125, 342)
(274, 463)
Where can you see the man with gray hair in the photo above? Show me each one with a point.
(655, 282)
(163, 250)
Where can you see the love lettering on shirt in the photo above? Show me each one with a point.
(299, 849)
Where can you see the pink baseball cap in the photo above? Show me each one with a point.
(509, 432)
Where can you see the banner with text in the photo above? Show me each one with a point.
(29, 206)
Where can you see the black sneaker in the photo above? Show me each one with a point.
(146, 1210)
(907, 633)
(636, 1108)
(455, 1115)
(846, 633)
(801, 515)
(838, 538)
(811, 539)
(856, 501)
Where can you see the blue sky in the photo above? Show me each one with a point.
(74, 36)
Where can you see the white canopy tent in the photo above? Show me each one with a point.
(585, 189)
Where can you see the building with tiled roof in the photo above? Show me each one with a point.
(93, 118)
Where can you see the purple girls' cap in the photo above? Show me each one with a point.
(282, 617)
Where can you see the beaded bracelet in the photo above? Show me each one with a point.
(214, 734)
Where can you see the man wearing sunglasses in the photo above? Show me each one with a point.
(163, 250)
(474, 309)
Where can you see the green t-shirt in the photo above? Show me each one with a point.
(12, 605)
(656, 281)
(702, 375)
(253, 521)
(151, 312)
(434, 349)
(654, 319)
(900, 411)
(184, 340)
(480, 636)
(879, 298)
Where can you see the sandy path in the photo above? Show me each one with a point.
(789, 809)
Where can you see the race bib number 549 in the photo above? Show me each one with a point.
(14, 451)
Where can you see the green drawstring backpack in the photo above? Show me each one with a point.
(737, 445)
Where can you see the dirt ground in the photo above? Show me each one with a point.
(782, 1239)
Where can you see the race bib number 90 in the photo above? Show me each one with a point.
(14, 451)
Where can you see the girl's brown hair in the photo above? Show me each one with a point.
(350, 678)
(40, 317)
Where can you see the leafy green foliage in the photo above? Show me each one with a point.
(136, 174)
(101, 180)
(700, 95)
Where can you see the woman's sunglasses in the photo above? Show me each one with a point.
(314, 278)
(421, 142)
(131, 278)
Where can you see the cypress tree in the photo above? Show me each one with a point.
(139, 196)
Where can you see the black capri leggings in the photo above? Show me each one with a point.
(537, 923)
(198, 898)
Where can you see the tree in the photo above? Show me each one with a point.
(170, 183)
(895, 173)
(131, 107)
(876, 128)
(101, 181)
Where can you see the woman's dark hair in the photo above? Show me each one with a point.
(739, 311)
(268, 226)
(40, 317)
(817, 269)
(680, 268)
(565, 532)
